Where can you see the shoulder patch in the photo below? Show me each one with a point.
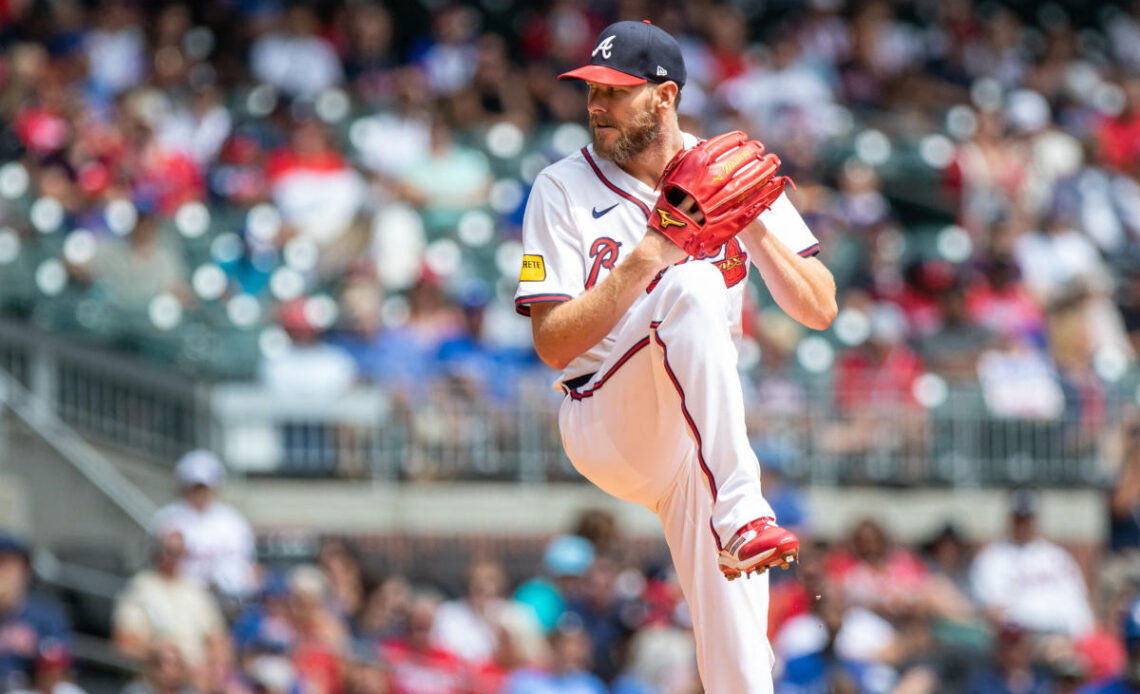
(533, 269)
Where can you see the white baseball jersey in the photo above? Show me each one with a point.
(654, 413)
(585, 213)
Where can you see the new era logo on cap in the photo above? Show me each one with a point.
(632, 53)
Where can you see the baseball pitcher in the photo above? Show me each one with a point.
(637, 250)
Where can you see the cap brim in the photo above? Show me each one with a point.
(600, 74)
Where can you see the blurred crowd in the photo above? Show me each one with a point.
(318, 194)
(593, 614)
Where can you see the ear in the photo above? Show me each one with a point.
(665, 95)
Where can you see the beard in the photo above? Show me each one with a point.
(632, 140)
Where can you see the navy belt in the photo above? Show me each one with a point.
(579, 381)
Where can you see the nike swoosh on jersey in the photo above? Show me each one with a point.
(599, 214)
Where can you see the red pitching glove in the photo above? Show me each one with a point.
(729, 181)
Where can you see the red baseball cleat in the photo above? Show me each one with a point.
(757, 546)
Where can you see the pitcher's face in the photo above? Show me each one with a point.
(623, 121)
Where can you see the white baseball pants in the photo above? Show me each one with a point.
(661, 424)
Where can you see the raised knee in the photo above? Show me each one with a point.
(695, 283)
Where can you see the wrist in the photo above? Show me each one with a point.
(656, 252)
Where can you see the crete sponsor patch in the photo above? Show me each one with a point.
(533, 269)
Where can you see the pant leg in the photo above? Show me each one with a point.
(662, 425)
(730, 619)
(692, 332)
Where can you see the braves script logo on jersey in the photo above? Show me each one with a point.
(604, 251)
(606, 46)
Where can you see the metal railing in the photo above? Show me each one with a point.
(455, 433)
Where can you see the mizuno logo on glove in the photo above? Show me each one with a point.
(667, 221)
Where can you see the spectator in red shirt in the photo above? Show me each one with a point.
(877, 574)
(1119, 136)
(416, 665)
(874, 384)
(1000, 301)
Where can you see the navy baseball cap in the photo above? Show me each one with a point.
(631, 53)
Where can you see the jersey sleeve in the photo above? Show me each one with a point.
(784, 220)
(552, 262)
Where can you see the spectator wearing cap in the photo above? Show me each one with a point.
(1129, 681)
(160, 604)
(28, 624)
(220, 548)
(53, 673)
(564, 561)
(1029, 581)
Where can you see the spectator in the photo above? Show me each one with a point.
(53, 673)
(450, 56)
(601, 613)
(294, 58)
(449, 180)
(418, 666)
(219, 541)
(369, 62)
(133, 271)
(878, 574)
(874, 390)
(317, 192)
(160, 605)
(1012, 670)
(116, 49)
(385, 612)
(1127, 682)
(308, 367)
(601, 528)
(570, 667)
(29, 625)
(954, 348)
(466, 627)
(320, 636)
(1119, 136)
(1001, 302)
(164, 672)
(660, 660)
(340, 563)
(564, 561)
(266, 623)
(838, 652)
(1028, 581)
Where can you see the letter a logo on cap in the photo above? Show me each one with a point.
(606, 46)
